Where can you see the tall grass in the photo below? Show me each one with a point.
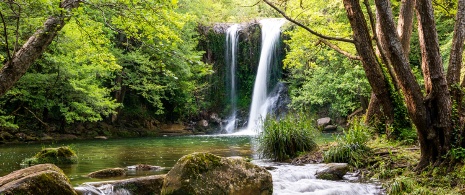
(287, 137)
(351, 147)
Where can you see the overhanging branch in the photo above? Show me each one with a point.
(306, 27)
(338, 49)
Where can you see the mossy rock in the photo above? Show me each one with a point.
(111, 172)
(38, 179)
(60, 155)
(204, 173)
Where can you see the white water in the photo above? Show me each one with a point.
(271, 30)
(232, 40)
(287, 180)
(301, 180)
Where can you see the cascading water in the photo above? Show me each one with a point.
(271, 31)
(232, 40)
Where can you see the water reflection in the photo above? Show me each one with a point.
(100, 154)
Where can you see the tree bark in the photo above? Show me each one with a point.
(455, 59)
(15, 68)
(431, 115)
(405, 24)
(370, 64)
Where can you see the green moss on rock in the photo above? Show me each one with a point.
(60, 155)
(38, 179)
(204, 173)
(111, 172)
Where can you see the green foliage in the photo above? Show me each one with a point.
(401, 185)
(457, 153)
(287, 137)
(351, 147)
(321, 78)
(220, 11)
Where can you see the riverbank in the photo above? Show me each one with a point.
(392, 164)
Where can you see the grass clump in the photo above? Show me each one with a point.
(60, 155)
(285, 138)
(351, 147)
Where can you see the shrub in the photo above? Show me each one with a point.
(287, 137)
(351, 147)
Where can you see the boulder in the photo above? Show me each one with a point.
(38, 179)
(333, 171)
(330, 128)
(323, 121)
(111, 172)
(60, 155)
(150, 185)
(204, 173)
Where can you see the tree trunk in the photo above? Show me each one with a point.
(15, 68)
(370, 64)
(455, 60)
(405, 24)
(431, 115)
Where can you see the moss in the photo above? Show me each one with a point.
(112, 172)
(60, 155)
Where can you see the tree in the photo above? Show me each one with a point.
(19, 62)
(430, 113)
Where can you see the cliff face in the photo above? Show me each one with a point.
(213, 42)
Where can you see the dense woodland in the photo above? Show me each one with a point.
(398, 63)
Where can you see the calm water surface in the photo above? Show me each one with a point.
(100, 154)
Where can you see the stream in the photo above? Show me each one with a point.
(165, 151)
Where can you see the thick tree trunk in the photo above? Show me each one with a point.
(370, 64)
(431, 115)
(440, 106)
(15, 68)
(455, 60)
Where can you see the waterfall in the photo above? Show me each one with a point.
(232, 40)
(271, 31)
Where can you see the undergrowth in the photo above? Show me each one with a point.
(286, 138)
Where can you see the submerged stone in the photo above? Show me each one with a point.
(204, 173)
(38, 179)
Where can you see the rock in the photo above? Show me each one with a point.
(323, 122)
(174, 129)
(330, 128)
(333, 171)
(68, 137)
(38, 179)
(100, 137)
(111, 172)
(204, 173)
(5, 136)
(46, 137)
(141, 186)
(60, 155)
(215, 118)
(203, 123)
(143, 167)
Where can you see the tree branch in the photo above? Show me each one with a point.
(305, 27)
(5, 33)
(338, 49)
